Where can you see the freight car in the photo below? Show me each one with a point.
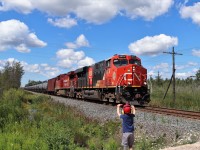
(41, 88)
(117, 79)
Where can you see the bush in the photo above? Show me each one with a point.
(11, 107)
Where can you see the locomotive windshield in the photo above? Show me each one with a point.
(135, 61)
(120, 62)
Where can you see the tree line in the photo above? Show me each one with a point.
(32, 82)
(159, 81)
(11, 75)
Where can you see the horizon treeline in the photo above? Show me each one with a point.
(159, 81)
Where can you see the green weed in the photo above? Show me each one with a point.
(187, 97)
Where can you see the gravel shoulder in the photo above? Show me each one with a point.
(195, 146)
(177, 131)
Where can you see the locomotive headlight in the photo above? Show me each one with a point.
(145, 83)
(133, 68)
(129, 83)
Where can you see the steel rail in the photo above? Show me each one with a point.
(173, 112)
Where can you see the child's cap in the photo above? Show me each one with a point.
(127, 108)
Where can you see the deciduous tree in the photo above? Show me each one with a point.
(11, 75)
(198, 75)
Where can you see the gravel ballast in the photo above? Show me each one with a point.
(176, 130)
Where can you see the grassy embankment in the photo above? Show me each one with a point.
(35, 122)
(187, 97)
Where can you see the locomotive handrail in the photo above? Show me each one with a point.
(119, 82)
(121, 77)
(137, 76)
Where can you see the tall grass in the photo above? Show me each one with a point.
(187, 97)
(34, 122)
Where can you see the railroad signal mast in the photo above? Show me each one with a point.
(173, 78)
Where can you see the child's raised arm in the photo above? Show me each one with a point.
(118, 111)
(133, 109)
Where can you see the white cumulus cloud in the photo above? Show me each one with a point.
(92, 11)
(69, 58)
(66, 22)
(16, 35)
(70, 54)
(164, 66)
(146, 8)
(98, 11)
(81, 41)
(185, 66)
(184, 75)
(9, 60)
(86, 62)
(192, 63)
(43, 69)
(196, 52)
(153, 45)
(23, 6)
(192, 12)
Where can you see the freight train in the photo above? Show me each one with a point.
(120, 78)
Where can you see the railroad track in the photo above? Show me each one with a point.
(158, 110)
(172, 112)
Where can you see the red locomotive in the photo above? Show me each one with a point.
(119, 78)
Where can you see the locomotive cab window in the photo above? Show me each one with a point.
(72, 76)
(108, 63)
(135, 61)
(120, 62)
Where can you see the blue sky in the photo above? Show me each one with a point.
(54, 37)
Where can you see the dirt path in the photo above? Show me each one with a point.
(195, 146)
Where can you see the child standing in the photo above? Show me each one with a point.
(127, 125)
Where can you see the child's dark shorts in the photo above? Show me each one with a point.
(128, 139)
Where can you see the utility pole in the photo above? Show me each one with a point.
(150, 84)
(173, 71)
